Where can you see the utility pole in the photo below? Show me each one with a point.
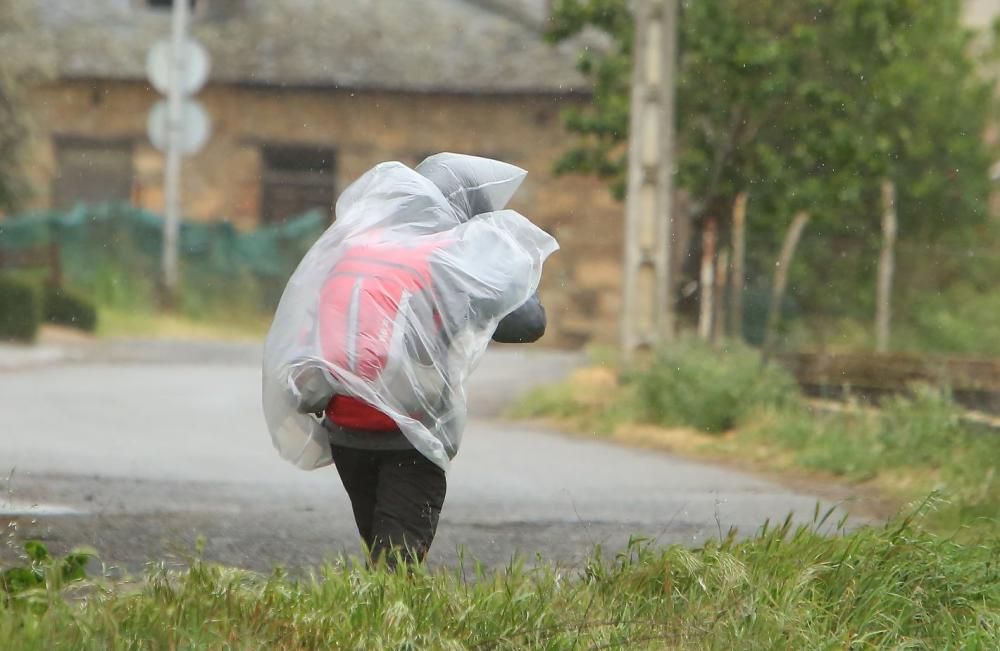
(175, 98)
(648, 315)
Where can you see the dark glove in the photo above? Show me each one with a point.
(524, 325)
(312, 387)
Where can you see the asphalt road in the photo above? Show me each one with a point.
(138, 448)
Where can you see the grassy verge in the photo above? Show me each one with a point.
(891, 587)
(719, 404)
(161, 325)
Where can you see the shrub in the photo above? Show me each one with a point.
(24, 586)
(713, 390)
(20, 309)
(67, 308)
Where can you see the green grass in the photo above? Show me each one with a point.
(785, 588)
(911, 446)
(207, 307)
(593, 410)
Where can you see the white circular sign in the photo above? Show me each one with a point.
(194, 65)
(194, 126)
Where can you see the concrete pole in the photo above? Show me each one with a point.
(172, 183)
(648, 314)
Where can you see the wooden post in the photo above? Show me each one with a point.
(781, 280)
(648, 295)
(883, 299)
(706, 299)
(682, 235)
(721, 278)
(738, 284)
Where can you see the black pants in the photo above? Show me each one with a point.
(397, 497)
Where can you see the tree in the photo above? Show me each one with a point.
(24, 57)
(807, 106)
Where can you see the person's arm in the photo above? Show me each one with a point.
(481, 276)
(524, 325)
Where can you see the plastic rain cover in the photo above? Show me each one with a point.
(397, 301)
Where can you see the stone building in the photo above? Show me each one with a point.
(305, 95)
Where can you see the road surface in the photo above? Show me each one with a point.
(138, 448)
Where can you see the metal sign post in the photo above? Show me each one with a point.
(172, 184)
(178, 126)
(648, 316)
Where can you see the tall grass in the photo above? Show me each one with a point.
(785, 588)
(912, 445)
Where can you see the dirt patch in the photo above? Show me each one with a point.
(594, 385)
(55, 335)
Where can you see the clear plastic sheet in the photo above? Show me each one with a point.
(395, 303)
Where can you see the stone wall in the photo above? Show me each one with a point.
(582, 283)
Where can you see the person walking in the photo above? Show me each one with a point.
(382, 323)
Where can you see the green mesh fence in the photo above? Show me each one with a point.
(113, 252)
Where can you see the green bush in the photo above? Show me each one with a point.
(711, 389)
(64, 307)
(26, 586)
(20, 309)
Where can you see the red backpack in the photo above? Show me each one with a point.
(362, 313)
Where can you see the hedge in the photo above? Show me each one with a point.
(20, 309)
(67, 308)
